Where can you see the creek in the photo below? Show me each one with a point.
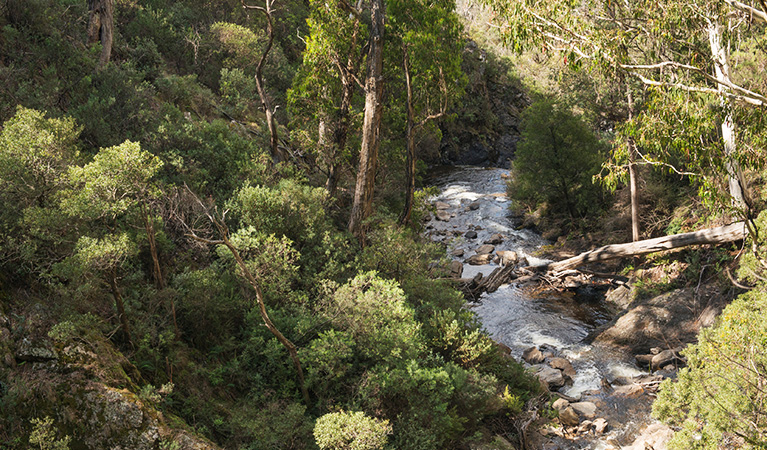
(520, 317)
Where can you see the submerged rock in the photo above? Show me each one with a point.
(442, 215)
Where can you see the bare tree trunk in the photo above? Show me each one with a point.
(720, 235)
(362, 207)
(722, 73)
(112, 278)
(404, 218)
(101, 27)
(632, 173)
(266, 103)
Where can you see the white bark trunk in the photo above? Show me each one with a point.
(722, 73)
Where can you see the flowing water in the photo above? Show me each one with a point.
(520, 318)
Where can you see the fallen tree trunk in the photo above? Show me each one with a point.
(720, 235)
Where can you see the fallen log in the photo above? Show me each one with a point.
(473, 289)
(720, 235)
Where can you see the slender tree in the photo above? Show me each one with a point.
(362, 206)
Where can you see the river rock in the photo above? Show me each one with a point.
(532, 356)
(600, 426)
(560, 404)
(485, 249)
(458, 252)
(569, 417)
(663, 358)
(644, 360)
(470, 234)
(442, 215)
(441, 205)
(564, 365)
(507, 257)
(629, 390)
(585, 409)
(552, 377)
(495, 239)
(585, 426)
(655, 437)
(505, 349)
(473, 206)
(456, 269)
(479, 260)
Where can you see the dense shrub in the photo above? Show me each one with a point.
(555, 161)
(718, 400)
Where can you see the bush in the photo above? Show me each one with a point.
(351, 431)
(719, 399)
(556, 160)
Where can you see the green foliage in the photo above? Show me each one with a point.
(44, 436)
(719, 397)
(117, 180)
(351, 431)
(374, 313)
(555, 161)
(35, 153)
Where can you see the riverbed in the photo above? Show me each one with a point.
(473, 200)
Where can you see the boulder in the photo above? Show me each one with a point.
(629, 390)
(669, 317)
(458, 252)
(456, 269)
(552, 377)
(473, 206)
(495, 239)
(442, 215)
(560, 404)
(585, 426)
(568, 417)
(564, 365)
(655, 437)
(485, 249)
(644, 360)
(441, 205)
(532, 356)
(470, 234)
(505, 349)
(35, 351)
(479, 260)
(507, 257)
(585, 409)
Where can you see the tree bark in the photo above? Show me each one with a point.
(722, 74)
(112, 278)
(404, 218)
(720, 235)
(266, 104)
(362, 206)
(632, 173)
(101, 27)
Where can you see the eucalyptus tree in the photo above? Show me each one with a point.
(101, 27)
(429, 37)
(362, 205)
(680, 50)
(325, 86)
